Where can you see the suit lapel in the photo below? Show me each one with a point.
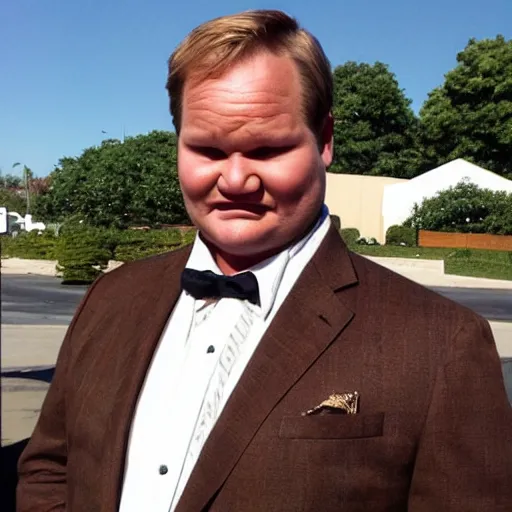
(311, 317)
(161, 291)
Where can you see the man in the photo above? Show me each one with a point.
(297, 376)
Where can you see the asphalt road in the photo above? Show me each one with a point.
(493, 304)
(38, 300)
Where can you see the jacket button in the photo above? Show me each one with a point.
(163, 469)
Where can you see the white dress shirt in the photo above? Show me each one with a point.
(201, 355)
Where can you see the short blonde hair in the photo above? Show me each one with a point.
(213, 47)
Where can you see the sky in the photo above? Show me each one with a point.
(73, 69)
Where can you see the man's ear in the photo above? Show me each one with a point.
(327, 149)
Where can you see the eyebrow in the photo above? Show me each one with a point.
(195, 137)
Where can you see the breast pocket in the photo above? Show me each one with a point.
(332, 426)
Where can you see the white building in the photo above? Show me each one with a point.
(398, 199)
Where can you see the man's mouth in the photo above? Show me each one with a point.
(255, 208)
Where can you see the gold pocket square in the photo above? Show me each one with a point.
(346, 402)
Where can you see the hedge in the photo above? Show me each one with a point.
(83, 252)
(464, 208)
(350, 235)
(32, 245)
(402, 235)
(134, 245)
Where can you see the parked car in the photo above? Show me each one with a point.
(12, 223)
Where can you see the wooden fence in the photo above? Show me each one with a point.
(464, 240)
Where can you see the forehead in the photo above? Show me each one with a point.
(264, 89)
(275, 73)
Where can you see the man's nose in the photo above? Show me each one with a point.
(238, 177)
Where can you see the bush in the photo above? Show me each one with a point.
(137, 244)
(83, 252)
(350, 235)
(465, 208)
(33, 245)
(402, 235)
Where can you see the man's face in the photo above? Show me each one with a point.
(251, 171)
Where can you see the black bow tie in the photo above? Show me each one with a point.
(208, 285)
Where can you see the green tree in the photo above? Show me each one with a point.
(11, 195)
(118, 184)
(465, 208)
(470, 115)
(375, 129)
(13, 201)
(10, 181)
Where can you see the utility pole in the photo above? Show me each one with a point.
(27, 187)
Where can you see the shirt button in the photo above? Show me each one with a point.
(163, 469)
(210, 350)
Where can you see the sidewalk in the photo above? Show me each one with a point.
(26, 346)
(21, 402)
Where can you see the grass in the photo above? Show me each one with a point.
(462, 262)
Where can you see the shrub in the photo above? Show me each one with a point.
(83, 252)
(350, 235)
(402, 235)
(33, 245)
(137, 244)
(465, 208)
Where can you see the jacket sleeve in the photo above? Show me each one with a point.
(464, 459)
(42, 465)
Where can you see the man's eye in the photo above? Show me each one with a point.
(266, 152)
(210, 152)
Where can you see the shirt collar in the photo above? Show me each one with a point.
(269, 272)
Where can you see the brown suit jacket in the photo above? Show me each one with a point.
(434, 431)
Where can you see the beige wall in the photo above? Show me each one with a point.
(357, 201)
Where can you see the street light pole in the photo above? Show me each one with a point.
(27, 187)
